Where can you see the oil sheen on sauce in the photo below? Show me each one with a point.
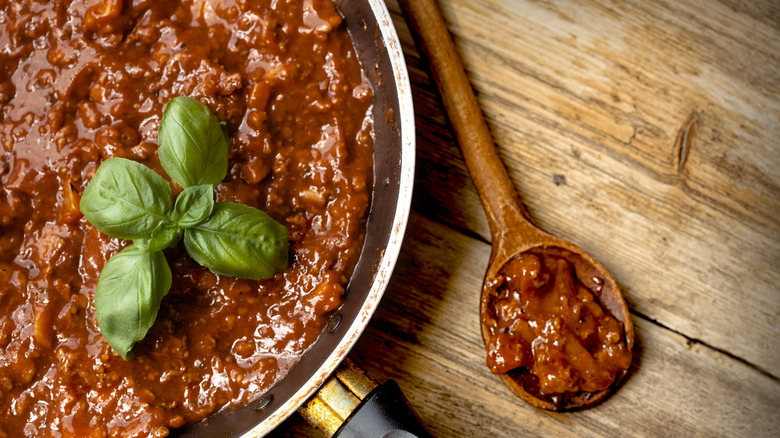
(85, 80)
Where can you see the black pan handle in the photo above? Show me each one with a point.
(384, 413)
(351, 405)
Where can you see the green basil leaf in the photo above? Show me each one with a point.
(193, 206)
(164, 236)
(129, 291)
(193, 145)
(239, 241)
(126, 200)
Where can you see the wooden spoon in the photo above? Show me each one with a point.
(511, 230)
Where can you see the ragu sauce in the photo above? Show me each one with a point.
(550, 332)
(85, 80)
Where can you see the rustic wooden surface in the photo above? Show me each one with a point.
(646, 132)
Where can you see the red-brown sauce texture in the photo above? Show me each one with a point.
(551, 332)
(85, 80)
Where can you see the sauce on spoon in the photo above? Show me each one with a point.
(546, 327)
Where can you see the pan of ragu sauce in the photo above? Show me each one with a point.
(257, 166)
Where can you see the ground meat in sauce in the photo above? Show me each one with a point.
(550, 331)
(85, 80)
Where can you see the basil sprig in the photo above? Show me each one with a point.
(128, 200)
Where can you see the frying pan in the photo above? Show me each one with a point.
(379, 50)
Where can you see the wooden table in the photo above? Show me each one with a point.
(646, 132)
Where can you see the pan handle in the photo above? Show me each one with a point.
(384, 413)
(351, 405)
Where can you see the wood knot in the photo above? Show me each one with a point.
(682, 143)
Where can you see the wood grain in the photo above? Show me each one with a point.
(647, 132)
(675, 388)
(425, 335)
(565, 88)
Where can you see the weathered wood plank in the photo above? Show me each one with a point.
(587, 102)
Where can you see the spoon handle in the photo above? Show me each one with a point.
(496, 191)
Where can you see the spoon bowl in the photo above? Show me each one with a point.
(515, 237)
(588, 272)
